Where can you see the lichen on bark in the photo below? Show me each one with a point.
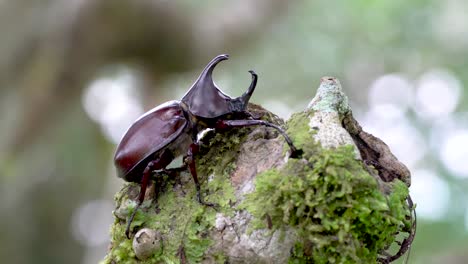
(330, 206)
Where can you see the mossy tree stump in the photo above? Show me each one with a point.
(344, 201)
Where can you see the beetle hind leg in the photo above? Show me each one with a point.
(141, 196)
(161, 162)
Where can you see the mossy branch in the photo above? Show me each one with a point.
(344, 201)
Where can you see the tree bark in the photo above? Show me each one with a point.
(344, 201)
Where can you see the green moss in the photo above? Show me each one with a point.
(335, 206)
(301, 134)
(220, 258)
(217, 162)
(182, 221)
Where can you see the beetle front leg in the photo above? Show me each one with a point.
(190, 159)
(226, 124)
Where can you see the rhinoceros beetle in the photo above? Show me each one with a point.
(170, 130)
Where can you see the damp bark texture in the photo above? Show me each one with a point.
(345, 200)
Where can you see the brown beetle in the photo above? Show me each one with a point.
(171, 130)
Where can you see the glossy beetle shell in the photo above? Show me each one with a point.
(164, 133)
(148, 136)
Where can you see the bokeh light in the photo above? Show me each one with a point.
(430, 193)
(438, 94)
(405, 141)
(280, 108)
(91, 222)
(114, 103)
(454, 152)
(389, 123)
(393, 89)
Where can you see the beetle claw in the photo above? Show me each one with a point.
(296, 154)
(209, 204)
(201, 201)
(127, 229)
(212, 205)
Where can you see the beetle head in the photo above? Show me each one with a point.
(205, 99)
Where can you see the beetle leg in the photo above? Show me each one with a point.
(141, 196)
(226, 124)
(161, 162)
(190, 159)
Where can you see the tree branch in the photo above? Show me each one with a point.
(331, 205)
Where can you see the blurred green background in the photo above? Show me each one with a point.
(74, 74)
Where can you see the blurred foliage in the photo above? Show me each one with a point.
(54, 158)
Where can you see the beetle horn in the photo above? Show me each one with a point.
(246, 96)
(204, 85)
(204, 99)
(210, 66)
(206, 76)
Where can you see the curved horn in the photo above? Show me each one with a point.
(210, 66)
(246, 96)
(204, 99)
